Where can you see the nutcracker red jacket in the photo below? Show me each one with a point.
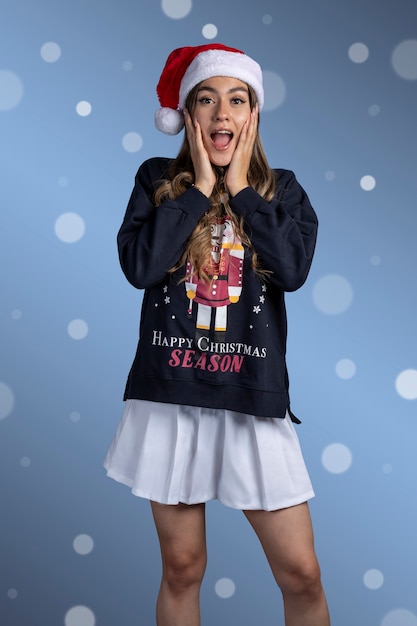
(227, 352)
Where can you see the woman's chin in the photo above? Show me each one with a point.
(220, 160)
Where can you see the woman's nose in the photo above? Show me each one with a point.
(221, 112)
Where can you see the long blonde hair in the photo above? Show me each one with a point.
(180, 176)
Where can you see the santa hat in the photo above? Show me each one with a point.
(186, 67)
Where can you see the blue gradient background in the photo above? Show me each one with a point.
(60, 398)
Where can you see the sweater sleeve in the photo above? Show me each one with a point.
(152, 239)
(283, 232)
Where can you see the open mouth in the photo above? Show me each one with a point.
(221, 139)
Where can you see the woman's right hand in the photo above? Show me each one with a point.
(204, 176)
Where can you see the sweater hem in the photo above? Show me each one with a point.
(245, 399)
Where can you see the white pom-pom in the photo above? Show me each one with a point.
(169, 121)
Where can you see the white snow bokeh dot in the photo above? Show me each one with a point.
(329, 175)
(374, 110)
(367, 183)
(332, 294)
(406, 384)
(176, 9)
(267, 19)
(209, 31)
(6, 400)
(16, 314)
(358, 52)
(404, 59)
(69, 227)
(80, 616)
(225, 588)
(373, 579)
(275, 90)
(25, 461)
(50, 52)
(345, 369)
(75, 416)
(77, 329)
(83, 544)
(400, 617)
(11, 90)
(336, 458)
(63, 181)
(12, 593)
(376, 260)
(132, 142)
(83, 108)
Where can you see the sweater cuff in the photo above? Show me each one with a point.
(245, 202)
(196, 193)
(194, 202)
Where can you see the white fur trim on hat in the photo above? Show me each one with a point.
(212, 63)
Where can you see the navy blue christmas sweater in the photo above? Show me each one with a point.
(222, 343)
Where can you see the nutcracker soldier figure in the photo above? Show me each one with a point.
(225, 284)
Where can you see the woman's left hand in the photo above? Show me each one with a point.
(237, 172)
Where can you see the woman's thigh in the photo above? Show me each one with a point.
(287, 538)
(181, 531)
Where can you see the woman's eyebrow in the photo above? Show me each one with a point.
(231, 90)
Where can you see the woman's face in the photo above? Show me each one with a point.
(222, 107)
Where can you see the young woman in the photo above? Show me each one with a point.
(215, 238)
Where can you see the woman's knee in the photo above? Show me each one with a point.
(302, 579)
(183, 569)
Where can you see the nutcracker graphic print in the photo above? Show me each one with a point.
(224, 287)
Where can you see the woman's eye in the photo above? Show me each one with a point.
(205, 100)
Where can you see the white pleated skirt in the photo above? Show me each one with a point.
(175, 453)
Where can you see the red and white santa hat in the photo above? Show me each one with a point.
(188, 66)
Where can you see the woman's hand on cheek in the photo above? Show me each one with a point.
(237, 173)
(204, 176)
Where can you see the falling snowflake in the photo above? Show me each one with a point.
(261, 299)
(165, 289)
(167, 300)
(256, 309)
(264, 288)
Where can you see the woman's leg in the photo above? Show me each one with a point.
(182, 536)
(287, 539)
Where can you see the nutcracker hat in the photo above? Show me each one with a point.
(188, 66)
